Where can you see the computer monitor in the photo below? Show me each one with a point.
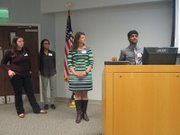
(159, 55)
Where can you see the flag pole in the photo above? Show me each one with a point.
(71, 103)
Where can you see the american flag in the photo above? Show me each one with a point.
(68, 45)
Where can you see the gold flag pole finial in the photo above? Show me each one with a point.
(68, 5)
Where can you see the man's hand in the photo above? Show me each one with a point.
(114, 58)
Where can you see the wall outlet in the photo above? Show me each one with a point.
(10, 99)
(2, 99)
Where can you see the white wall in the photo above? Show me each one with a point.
(106, 30)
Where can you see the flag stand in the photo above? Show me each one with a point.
(71, 103)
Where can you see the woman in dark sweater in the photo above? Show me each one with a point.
(19, 72)
(47, 67)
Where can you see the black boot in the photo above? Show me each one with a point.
(79, 111)
(84, 109)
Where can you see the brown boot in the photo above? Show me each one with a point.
(84, 109)
(79, 111)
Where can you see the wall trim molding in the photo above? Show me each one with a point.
(47, 6)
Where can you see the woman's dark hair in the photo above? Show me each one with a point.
(14, 46)
(42, 47)
(76, 40)
(132, 32)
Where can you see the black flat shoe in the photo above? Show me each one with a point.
(46, 107)
(53, 106)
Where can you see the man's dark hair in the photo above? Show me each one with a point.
(132, 32)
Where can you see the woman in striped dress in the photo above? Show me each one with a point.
(80, 63)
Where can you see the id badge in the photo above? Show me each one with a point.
(25, 54)
(84, 51)
(50, 54)
(139, 55)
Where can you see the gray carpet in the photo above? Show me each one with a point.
(57, 122)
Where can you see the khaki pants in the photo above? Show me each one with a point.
(52, 83)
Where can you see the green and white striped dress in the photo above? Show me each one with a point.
(80, 60)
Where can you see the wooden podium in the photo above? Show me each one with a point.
(141, 100)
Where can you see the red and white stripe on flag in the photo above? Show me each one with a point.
(68, 45)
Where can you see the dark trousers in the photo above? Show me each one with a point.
(18, 83)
